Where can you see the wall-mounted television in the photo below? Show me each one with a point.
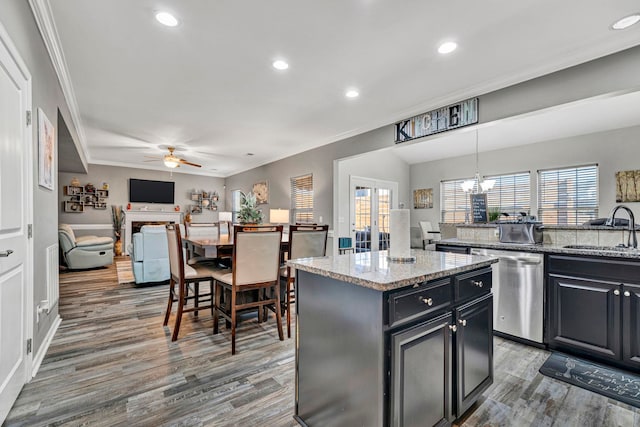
(148, 191)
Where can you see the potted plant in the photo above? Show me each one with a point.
(494, 214)
(249, 213)
(117, 217)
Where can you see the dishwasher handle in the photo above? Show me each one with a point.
(528, 260)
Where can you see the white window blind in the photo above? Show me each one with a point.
(454, 203)
(511, 193)
(302, 198)
(568, 196)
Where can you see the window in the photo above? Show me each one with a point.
(302, 198)
(511, 193)
(454, 203)
(235, 205)
(568, 196)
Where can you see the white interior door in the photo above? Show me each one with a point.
(15, 200)
(370, 204)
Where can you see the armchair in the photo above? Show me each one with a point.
(84, 251)
(150, 254)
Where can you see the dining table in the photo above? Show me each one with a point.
(220, 245)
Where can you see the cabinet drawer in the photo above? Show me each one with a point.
(416, 302)
(472, 284)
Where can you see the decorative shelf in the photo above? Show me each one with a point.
(203, 200)
(81, 196)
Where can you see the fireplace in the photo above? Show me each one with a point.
(133, 220)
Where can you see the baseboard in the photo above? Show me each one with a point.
(39, 357)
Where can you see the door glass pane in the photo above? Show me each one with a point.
(362, 223)
(384, 210)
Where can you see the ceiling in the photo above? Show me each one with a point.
(207, 86)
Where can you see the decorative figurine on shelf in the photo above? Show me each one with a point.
(105, 186)
(177, 208)
(128, 206)
(89, 188)
(75, 182)
(187, 218)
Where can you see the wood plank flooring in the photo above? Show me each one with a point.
(111, 363)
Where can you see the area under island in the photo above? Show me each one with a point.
(390, 344)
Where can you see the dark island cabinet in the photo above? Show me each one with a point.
(421, 387)
(441, 366)
(594, 308)
(474, 351)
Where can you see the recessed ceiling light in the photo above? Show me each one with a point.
(280, 65)
(626, 22)
(165, 18)
(351, 93)
(447, 47)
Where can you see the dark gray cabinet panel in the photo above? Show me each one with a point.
(421, 392)
(474, 351)
(585, 316)
(631, 325)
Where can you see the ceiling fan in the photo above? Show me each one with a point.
(172, 161)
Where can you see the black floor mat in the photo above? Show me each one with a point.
(610, 382)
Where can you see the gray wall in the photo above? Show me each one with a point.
(613, 151)
(118, 180)
(18, 20)
(612, 74)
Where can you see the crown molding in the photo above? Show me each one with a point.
(44, 19)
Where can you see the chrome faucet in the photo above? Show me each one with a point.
(632, 225)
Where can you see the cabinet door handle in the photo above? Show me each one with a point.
(463, 322)
(453, 328)
(627, 293)
(477, 283)
(616, 292)
(6, 253)
(428, 301)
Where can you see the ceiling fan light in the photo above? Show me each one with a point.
(468, 185)
(171, 163)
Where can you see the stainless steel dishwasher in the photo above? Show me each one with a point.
(518, 293)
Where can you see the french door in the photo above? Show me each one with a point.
(370, 204)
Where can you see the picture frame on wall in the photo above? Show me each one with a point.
(261, 191)
(423, 198)
(46, 151)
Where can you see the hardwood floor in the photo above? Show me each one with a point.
(112, 363)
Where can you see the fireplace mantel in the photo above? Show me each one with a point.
(136, 216)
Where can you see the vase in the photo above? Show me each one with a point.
(117, 247)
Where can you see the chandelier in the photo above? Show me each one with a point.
(477, 184)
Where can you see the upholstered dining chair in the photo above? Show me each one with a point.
(255, 266)
(183, 274)
(305, 241)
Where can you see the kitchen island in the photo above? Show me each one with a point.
(381, 343)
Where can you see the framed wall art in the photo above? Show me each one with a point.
(46, 151)
(261, 191)
(628, 186)
(423, 198)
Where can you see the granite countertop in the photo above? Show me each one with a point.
(373, 269)
(549, 248)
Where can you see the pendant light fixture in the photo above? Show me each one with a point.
(477, 184)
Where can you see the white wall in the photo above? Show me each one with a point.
(613, 151)
(381, 165)
(118, 179)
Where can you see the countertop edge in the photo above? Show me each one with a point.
(397, 284)
(631, 254)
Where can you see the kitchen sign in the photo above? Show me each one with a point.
(441, 120)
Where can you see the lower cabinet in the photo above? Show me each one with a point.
(594, 308)
(440, 367)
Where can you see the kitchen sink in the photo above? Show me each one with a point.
(600, 248)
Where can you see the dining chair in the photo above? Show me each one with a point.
(305, 241)
(429, 235)
(255, 267)
(183, 274)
